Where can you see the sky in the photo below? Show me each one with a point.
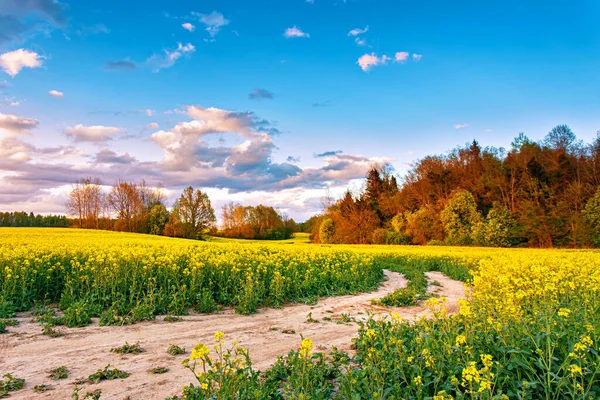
(278, 101)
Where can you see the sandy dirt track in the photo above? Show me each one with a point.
(27, 354)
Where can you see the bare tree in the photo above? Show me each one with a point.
(86, 202)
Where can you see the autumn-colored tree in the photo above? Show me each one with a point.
(194, 213)
(86, 202)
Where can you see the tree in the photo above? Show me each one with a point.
(327, 231)
(194, 212)
(424, 225)
(592, 217)
(498, 229)
(126, 201)
(86, 201)
(158, 217)
(459, 217)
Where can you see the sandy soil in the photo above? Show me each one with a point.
(27, 354)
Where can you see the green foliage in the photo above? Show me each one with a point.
(497, 230)
(107, 374)
(77, 315)
(59, 373)
(206, 302)
(127, 348)
(157, 219)
(592, 216)
(400, 298)
(175, 350)
(459, 217)
(42, 388)
(159, 370)
(326, 231)
(10, 384)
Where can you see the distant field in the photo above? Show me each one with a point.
(529, 328)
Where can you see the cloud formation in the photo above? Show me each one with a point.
(14, 125)
(188, 27)
(358, 31)
(92, 134)
(56, 93)
(169, 57)
(328, 154)
(14, 61)
(213, 21)
(259, 93)
(125, 64)
(21, 18)
(461, 126)
(368, 61)
(295, 32)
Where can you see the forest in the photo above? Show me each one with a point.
(535, 194)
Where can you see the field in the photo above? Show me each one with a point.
(528, 327)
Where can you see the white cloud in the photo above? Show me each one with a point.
(358, 31)
(56, 93)
(294, 32)
(367, 61)
(12, 62)
(213, 21)
(417, 57)
(93, 134)
(461, 126)
(152, 125)
(169, 57)
(14, 125)
(188, 27)
(360, 41)
(401, 56)
(149, 112)
(14, 103)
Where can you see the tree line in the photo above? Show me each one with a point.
(260, 222)
(137, 207)
(23, 219)
(535, 194)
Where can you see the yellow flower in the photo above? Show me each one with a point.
(418, 380)
(564, 312)
(200, 351)
(306, 346)
(219, 337)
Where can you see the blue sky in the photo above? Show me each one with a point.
(162, 90)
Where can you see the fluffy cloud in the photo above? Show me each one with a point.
(259, 93)
(125, 64)
(360, 41)
(107, 156)
(56, 93)
(14, 125)
(213, 21)
(13, 62)
(169, 57)
(295, 32)
(358, 31)
(92, 134)
(461, 126)
(188, 27)
(230, 154)
(401, 56)
(152, 125)
(367, 61)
